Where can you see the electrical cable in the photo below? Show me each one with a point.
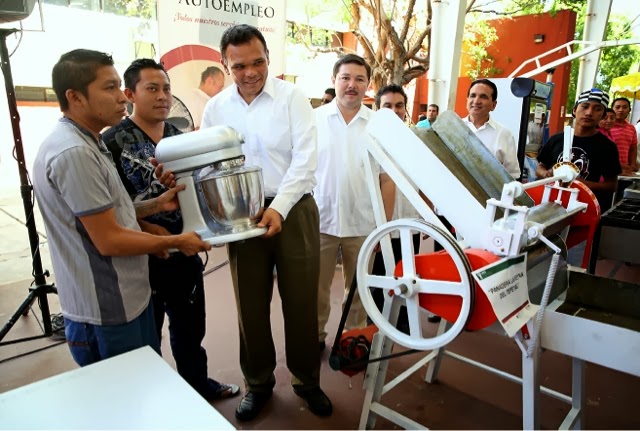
(551, 275)
(206, 260)
(215, 268)
(19, 41)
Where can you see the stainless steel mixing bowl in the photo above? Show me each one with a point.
(233, 196)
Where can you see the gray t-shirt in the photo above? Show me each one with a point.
(74, 176)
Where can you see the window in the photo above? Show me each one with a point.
(58, 2)
(85, 4)
(35, 94)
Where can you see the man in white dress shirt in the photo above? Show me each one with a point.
(342, 194)
(211, 83)
(277, 122)
(482, 98)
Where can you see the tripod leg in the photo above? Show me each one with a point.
(39, 292)
(26, 190)
(22, 310)
(46, 314)
(26, 310)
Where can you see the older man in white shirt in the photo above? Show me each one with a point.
(211, 83)
(278, 125)
(482, 98)
(342, 194)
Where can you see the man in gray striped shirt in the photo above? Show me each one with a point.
(98, 246)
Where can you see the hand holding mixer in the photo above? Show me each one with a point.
(223, 198)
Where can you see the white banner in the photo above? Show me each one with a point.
(189, 36)
(505, 284)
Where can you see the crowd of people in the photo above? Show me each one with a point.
(111, 212)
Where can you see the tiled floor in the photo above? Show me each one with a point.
(464, 397)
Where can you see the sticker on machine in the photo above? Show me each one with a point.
(505, 284)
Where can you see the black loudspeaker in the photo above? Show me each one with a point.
(15, 10)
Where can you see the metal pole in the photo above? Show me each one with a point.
(40, 288)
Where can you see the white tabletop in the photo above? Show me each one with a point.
(136, 390)
(634, 177)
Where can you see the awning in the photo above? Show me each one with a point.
(626, 86)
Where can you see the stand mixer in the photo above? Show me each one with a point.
(223, 197)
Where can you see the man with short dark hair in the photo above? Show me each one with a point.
(211, 83)
(276, 120)
(177, 282)
(328, 96)
(393, 97)
(482, 98)
(342, 191)
(432, 115)
(594, 154)
(625, 136)
(97, 246)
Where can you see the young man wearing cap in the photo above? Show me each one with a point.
(594, 154)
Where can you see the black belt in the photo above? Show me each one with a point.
(268, 201)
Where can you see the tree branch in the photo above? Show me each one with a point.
(418, 43)
(407, 19)
(413, 72)
(470, 5)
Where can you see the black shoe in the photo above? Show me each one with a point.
(251, 405)
(317, 401)
(322, 346)
(433, 318)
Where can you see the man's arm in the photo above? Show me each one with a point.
(168, 201)
(543, 172)
(155, 229)
(388, 191)
(112, 239)
(80, 179)
(548, 153)
(300, 177)
(166, 178)
(633, 157)
(609, 184)
(510, 154)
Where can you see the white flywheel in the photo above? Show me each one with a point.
(410, 284)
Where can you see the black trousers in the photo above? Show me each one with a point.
(178, 290)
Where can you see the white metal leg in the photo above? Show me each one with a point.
(434, 365)
(374, 379)
(530, 391)
(396, 417)
(574, 419)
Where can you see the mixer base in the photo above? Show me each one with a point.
(221, 238)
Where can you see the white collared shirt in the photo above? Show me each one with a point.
(280, 137)
(196, 100)
(500, 142)
(342, 193)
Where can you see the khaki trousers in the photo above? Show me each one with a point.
(295, 253)
(329, 246)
